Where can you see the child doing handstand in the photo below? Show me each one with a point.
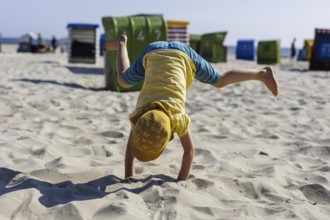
(168, 69)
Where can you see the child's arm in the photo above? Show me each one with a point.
(188, 155)
(129, 160)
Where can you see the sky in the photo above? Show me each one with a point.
(243, 19)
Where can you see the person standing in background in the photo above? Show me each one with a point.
(54, 44)
(40, 42)
(293, 49)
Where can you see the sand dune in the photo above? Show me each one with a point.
(63, 140)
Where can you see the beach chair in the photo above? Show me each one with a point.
(305, 54)
(308, 46)
(212, 48)
(195, 42)
(245, 50)
(268, 52)
(84, 43)
(302, 55)
(141, 30)
(320, 59)
(177, 31)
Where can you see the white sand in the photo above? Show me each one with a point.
(63, 139)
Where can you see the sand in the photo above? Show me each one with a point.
(63, 139)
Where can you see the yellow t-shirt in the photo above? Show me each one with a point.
(168, 76)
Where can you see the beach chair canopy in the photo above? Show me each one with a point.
(82, 26)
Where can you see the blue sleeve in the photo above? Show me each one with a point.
(135, 73)
(204, 71)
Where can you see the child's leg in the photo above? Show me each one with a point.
(122, 61)
(265, 75)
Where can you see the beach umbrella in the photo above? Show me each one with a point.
(27, 37)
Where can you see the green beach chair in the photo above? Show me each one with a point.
(140, 30)
(268, 52)
(212, 48)
(195, 42)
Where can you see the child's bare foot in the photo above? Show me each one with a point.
(114, 44)
(267, 77)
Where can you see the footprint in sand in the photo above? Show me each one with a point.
(170, 212)
(202, 183)
(111, 211)
(48, 127)
(139, 170)
(39, 152)
(153, 196)
(55, 103)
(198, 167)
(248, 189)
(202, 152)
(101, 151)
(112, 134)
(6, 111)
(38, 103)
(205, 157)
(66, 211)
(83, 141)
(316, 193)
(60, 103)
(122, 108)
(68, 131)
(57, 163)
(321, 152)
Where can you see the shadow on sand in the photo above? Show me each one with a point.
(65, 192)
(86, 70)
(71, 85)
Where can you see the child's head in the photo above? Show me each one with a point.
(150, 135)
